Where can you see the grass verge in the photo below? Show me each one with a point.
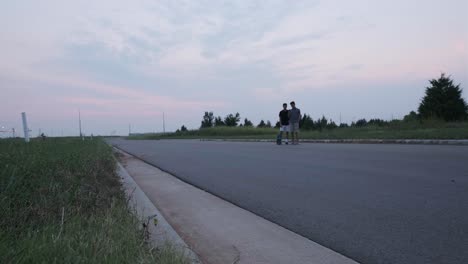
(397, 130)
(61, 202)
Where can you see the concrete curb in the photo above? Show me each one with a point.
(461, 142)
(158, 234)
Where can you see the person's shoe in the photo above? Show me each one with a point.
(286, 143)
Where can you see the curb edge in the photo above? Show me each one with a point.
(158, 234)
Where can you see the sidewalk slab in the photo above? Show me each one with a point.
(220, 232)
(161, 233)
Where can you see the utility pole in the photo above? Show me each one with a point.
(164, 124)
(79, 121)
(25, 127)
(340, 118)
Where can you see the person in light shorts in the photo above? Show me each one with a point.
(284, 122)
(294, 118)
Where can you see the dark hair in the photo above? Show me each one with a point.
(292, 102)
(285, 104)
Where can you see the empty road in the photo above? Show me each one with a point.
(372, 203)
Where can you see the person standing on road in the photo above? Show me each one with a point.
(294, 118)
(284, 122)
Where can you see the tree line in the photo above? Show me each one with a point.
(306, 122)
(230, 120)
(442, 101)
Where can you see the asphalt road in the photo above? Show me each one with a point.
(372, 203)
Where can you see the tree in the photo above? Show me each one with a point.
(361, 123)
(268, 124)
(232, 120)
(306, 122)
(331, 125)
(219, 121)
(443, 100)
(248, 123)
(321, 123)
(278, 124)
(412, 116)
(183, 128)
(207, 120)
(377, 122)
(261, 124)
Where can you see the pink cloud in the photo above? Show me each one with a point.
(132, 96)
(115, 104)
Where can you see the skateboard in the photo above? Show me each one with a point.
(279, 139)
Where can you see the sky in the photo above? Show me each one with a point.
(124, 63)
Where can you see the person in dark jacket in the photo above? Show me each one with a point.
(284, 122)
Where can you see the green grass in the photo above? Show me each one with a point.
(395, 130)
(61, 202)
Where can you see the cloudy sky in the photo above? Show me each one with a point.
(127, 62)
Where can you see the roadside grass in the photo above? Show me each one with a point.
(430, 129)
(61, 202)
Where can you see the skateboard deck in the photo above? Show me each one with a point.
(279, 139)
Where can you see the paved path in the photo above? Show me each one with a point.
(373, 203)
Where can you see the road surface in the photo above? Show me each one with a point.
(372, 203)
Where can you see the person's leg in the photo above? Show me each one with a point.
(292, 134)
(281, 132)
(280, 139)
(291, 131)
(296, 134)
(287, 137)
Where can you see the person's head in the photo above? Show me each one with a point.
(293, 104)
(285, 106)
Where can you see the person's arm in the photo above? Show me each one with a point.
(300, 117)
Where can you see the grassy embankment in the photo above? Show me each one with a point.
(61, 202)
(396, 130)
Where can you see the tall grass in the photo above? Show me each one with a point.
(429, 129)
(61, 202)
